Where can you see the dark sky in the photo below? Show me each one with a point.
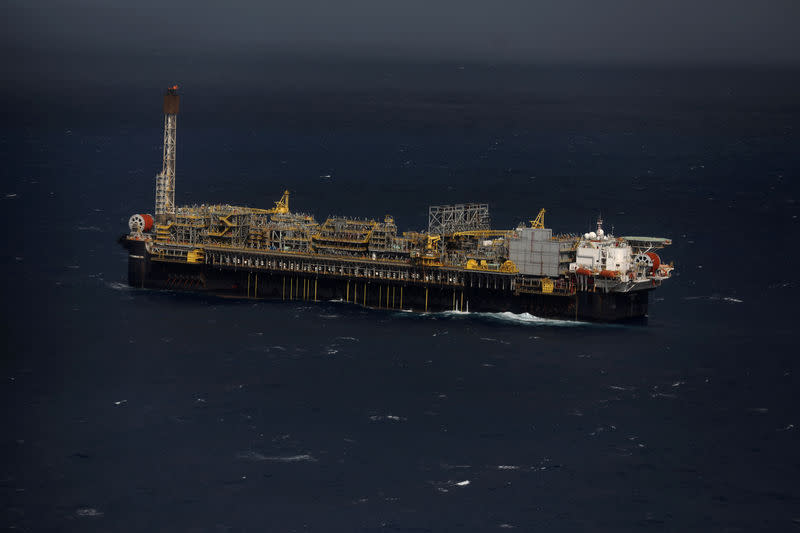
(727, 32)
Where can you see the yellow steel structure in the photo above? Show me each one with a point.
(162, 231)
(538, 222)
(430, 256)
(482, 233)
(282, 205)
(547, 285)
(195, 256)
(509, 267)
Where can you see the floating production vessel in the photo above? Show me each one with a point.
(459, 263)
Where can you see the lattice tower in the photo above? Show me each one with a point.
(165, 180)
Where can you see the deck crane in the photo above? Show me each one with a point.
(538, 222)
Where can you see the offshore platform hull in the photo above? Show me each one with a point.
(459, 264)
(281, 277)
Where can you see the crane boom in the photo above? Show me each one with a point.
(538, 222)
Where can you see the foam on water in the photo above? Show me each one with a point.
(89, 512)
(393, 418)
(255, 456)
(508, 317)
(715, 298)
(529, 319)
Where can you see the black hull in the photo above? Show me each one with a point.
(147, 272)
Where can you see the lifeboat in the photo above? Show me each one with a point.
(583, 271)
(609, 274)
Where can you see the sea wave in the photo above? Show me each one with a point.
(118, 286)
(716, 298)
(89, 512)
(255, 456)
(392, 418)
(507, 317)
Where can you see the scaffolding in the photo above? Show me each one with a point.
(446, 219)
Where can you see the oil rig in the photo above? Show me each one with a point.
(459, 264)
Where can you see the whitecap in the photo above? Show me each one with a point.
(663, 395)
(117, 286)
(715, 298)
(506, 316)
(507, 467)
(446, 466)
(462, 483)
(89, 512)
(527, 319)
(394, 418)
(255, 456)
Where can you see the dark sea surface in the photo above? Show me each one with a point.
(137, 410)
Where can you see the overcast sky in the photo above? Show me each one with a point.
(561, 31)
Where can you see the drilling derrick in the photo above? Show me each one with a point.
(165, 180)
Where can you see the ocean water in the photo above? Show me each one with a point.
(137, 410)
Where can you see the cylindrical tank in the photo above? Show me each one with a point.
(141, 222)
